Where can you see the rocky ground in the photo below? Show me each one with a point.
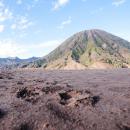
(65, 100)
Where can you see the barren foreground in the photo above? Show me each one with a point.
(65, 100)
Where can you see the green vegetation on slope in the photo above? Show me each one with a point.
(86, 48)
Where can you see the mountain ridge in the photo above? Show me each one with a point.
(88, 48)
(15, 61)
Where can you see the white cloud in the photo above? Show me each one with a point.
(19, 2)
(66, 22)
(5, 14)
(32, 5)
(44, 48)
(1, 4)
(36, 0)
(2, 28)
(118, 2)
(28, 4)
(60, 3)
(9, 48)
(21, 23)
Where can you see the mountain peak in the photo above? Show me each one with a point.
(87, 49)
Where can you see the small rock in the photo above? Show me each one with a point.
(1, 77)
(2, 113)
(20, 83)
(22, 93)
(95, 99)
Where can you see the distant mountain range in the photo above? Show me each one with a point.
(87, 49)
(15, 61)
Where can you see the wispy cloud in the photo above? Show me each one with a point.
(59, 3)
(21, 23)
(17, 22)
(43, 48)
(118, 2)
(10, 48)
(2, 27)
(28, 5)
(66, 22)
(5, 13)
(32, 4)
(1, 4)
(19, 2)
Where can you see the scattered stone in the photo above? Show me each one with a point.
(38, 80)
(32, 100)
(22, 93)
(24, 126)
(77, 97)
(64, 96)
(54, 83)
(2, 113)
(51, 89)
(29, 95)
(10, 78)
(20, 83)
(95, 100)
(68, 85)
(1, 77)
(126, 127)
(123, 126)
(46, 125)
(47, 82)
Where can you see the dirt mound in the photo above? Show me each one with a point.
(75, 98)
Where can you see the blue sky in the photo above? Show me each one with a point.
(35, 27)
